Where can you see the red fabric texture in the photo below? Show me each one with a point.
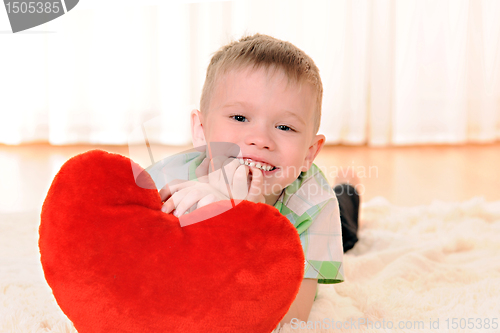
(116, 263)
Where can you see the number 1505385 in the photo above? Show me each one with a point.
(33, 7)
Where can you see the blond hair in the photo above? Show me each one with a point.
(267, 52)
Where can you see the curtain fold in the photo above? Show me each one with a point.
(394, 72)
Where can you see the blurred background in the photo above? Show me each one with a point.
(411, 88)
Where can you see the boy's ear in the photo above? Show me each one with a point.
(316, 145)
(197, 133)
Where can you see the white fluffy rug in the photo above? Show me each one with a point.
(422, 269)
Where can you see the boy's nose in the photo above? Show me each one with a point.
(259, 138)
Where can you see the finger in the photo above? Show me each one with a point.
(214, 175)
(230, 166)
(188, 200)
(170, 188)
(208, 199)
(222, 178)
(172, 202)
(256, 193)
(202, 170)
(179, 185)
(240, 184)
(168, 206)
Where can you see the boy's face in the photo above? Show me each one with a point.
(270, 121)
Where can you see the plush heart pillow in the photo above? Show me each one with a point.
(116, 263)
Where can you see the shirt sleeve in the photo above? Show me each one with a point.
(176, 167)
(313, 209)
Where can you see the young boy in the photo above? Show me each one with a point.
(264, 95)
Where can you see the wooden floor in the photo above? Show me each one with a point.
(406, 176)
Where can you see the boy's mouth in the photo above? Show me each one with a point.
(257, 164)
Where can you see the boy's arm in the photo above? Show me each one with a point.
(301, 306)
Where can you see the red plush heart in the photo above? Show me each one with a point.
(116, 263)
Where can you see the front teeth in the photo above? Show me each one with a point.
(257, 165)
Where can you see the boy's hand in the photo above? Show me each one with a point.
(181, 196)
(236, 175)
(244, 182)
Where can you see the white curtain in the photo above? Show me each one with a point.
(395, 72)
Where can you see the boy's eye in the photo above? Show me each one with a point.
(285, 128)
(239, 118)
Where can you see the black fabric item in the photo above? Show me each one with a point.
(348, 200)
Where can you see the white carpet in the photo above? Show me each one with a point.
(411, 267)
